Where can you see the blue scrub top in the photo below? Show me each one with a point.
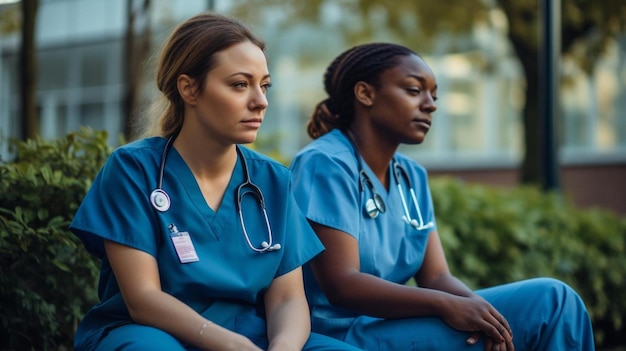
(229, 279)
(389, 248)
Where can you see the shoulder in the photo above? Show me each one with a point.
(413, 168)
(332, 148)
(409, 163)
(140, 149)
(261, 163)
(142, 156)
(146, 145)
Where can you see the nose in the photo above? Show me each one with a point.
(428, 104)
(258, 100)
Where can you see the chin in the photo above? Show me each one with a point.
(415, 139)
(245, 141)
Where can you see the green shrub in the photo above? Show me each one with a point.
(47, 279)
(494, 236)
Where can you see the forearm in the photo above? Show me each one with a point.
(367, 294)
(288, 324)
(449, 283)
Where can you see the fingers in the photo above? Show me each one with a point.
(497, 330)
(473, 338)
(500, 318)
(505, 331)
(491, 345)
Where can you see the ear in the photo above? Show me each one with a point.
(364, 93)
(187, 89)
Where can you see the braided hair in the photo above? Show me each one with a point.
(361, 63)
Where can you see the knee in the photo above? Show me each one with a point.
(558, 293)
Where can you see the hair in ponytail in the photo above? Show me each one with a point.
(362, 63)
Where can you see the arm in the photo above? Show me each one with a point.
(138, 278)
(288, 321)
(435, 273)
(337, 271)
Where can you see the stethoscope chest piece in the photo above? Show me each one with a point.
(375, 206)
(160, 200)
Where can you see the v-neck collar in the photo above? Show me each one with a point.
(214, 218)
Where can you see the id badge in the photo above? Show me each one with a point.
(183, 245)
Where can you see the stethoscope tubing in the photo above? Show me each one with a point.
(376, 205)
(161, 200)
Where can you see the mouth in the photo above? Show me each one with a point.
(252, 122)
(424, 123)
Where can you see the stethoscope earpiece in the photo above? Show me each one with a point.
(267, 246)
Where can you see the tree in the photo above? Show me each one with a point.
(28, 71)
(588, 26)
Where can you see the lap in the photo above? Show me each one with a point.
(131, 337)
(138, 337)
(527, 305)
(425, 333)
(319, 342)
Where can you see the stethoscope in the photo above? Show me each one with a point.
(375, 205)
(161, 200)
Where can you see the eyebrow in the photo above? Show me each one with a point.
(420, 79)
(248, 75)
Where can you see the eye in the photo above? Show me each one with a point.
(240, 85)
(266, 86)
(414, 91)
(435, 98)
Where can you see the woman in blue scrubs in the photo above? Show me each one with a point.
(372, 209)
(200, 238)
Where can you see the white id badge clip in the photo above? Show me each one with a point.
(183, 245)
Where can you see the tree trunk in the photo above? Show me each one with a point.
(28, 71)
(137, 48)
(530, 172)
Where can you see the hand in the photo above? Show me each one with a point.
(477, 315)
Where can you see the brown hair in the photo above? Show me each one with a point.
(190, 49)
(362, 63)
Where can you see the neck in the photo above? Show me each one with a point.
(375, 151)
(206, 159)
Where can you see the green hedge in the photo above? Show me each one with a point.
(494, 236)
(47, 280)
(491, 236)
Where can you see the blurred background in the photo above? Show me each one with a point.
(71, 63)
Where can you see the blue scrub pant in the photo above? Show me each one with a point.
(136, 337)
(544, 314)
